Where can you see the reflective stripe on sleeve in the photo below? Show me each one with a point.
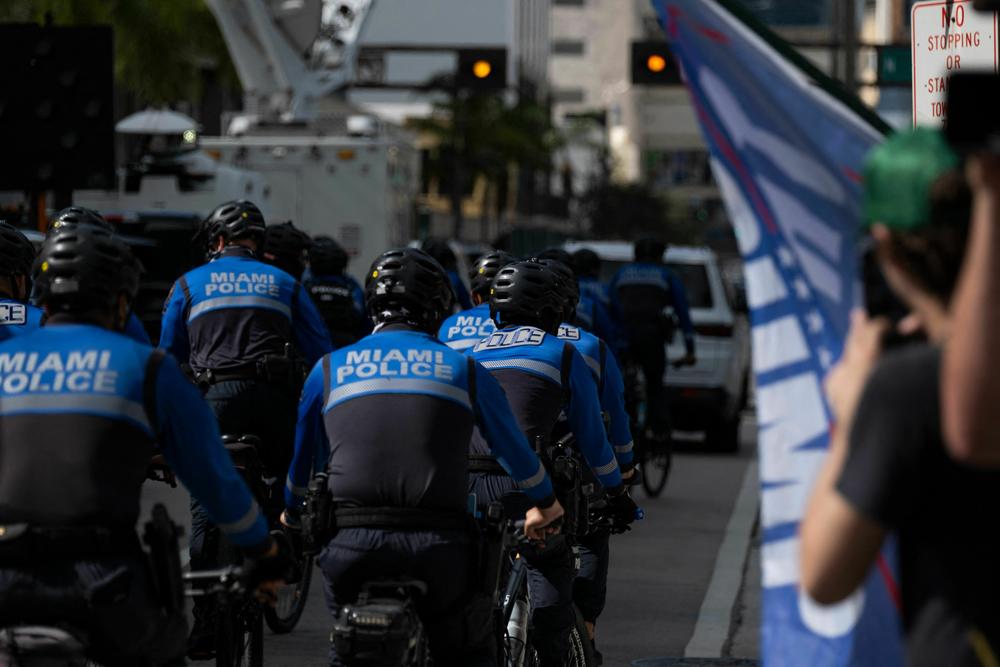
(624, 449)
(111, 406)
(607, 468)
(243, 523)
(299, 491)
(462, 344)
(239, 302)
(530, 365)
(534, 480)
(595, 366)
(398, 386)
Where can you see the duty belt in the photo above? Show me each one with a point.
(23, 544)
(484, 463)
(400, 517)
(271, 368)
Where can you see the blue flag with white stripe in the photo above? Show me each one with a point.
(787, 152)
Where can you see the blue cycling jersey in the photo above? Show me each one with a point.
(462, 297)
(236, 310)
(596, 290)
(541, 376)
(18, 318)
(135, 330)
(463, 330)
(390, 417)
(592, 316)
(639, 293)
(81, 408)
(611, 388)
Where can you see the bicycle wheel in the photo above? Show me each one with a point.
(239, 634)
(582, 651)
(285, 615)
(656, 461)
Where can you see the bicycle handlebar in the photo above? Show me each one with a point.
(227, 581)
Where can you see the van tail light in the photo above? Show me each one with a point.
(714, 330)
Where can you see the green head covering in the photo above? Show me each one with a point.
(899, 175)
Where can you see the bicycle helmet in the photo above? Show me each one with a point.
(527, 293)
(441, 252)
(586, 263)
(569, 289)
(557, 254)
(485, 269)
(327, 257)
(16, 252)
(408, 285)
(78, 215)
(234, 220)
(285, 247)
(649, 250)
(82, 268)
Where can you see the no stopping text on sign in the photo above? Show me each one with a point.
(944, 42)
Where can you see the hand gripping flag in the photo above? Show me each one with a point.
(787, 149)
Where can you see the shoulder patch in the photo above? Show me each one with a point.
(13, 314)
(512, 338)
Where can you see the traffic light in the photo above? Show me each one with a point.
(482, 69)
(56, 107)
(654, 65)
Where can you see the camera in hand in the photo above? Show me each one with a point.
(880, 300)
(972, 123)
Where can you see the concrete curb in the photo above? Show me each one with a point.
(715, 616)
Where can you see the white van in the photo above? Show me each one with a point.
(710, 395)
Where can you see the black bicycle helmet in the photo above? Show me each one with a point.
(586, 263)
(485, 269)
(327, 257)
(83, 268)
(649, 250)
(17, 254)
(569, 289)
(234, 220)
(529, 294)
(78, 215)
(285, 247)
(408, 285)
(557, 254)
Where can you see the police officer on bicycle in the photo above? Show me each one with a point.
(463, 330)
(543, 377)
(17, 317)
(239, 323)
(389, 420)
(640, 292)
(79, 215)
(81, 407)
(338, 296)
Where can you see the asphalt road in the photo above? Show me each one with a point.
(660, 572)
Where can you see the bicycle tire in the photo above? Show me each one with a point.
(582, 649)
(239, 635)
(281, 620)
(656, 463)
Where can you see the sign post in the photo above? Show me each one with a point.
(945, 42)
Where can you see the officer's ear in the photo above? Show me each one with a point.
(121, 312)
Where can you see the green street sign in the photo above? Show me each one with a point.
(895, 65)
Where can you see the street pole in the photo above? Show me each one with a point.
(850, 42)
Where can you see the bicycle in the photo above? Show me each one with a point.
(654, 455)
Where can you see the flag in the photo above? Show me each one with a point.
(787, 149)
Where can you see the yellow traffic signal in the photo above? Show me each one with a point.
(481, 69)
(656, 63)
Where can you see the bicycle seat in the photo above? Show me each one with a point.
(41, 641)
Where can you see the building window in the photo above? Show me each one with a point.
(568, 96)
(567, 47)
(575, 3)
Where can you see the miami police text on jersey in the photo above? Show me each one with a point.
(13, 313)
(75, 371)
(469, 326)
(232, 282)
(512, 338)
(364, 364)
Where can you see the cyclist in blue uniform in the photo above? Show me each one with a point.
(79, 215)
(17, 316)
(234, 321)
(542, 378)
(81, 408)
(463, 330)
(639, 293)
(590, 314)
(338, 296)
(587, 265)
(389, 419)
(591, 582)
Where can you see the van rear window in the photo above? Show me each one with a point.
(695, 279)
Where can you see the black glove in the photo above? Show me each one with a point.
(621, 507)
(281, 566)
(636, 478)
